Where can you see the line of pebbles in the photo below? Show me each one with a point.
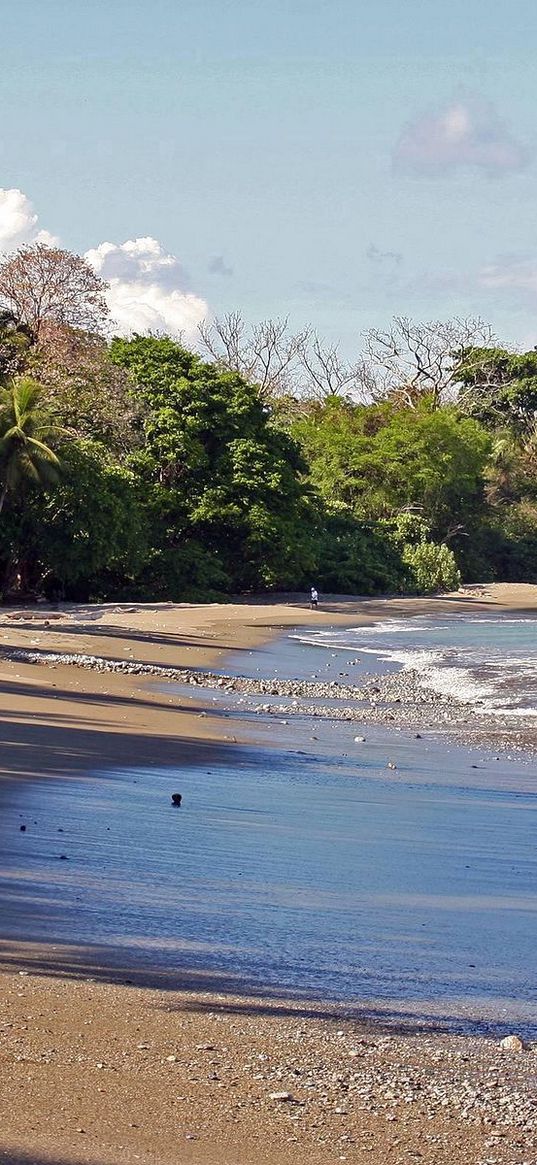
(394, 699)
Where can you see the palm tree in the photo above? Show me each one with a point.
(25, 428)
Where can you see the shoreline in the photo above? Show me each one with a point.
(145, 1075)
(395, 697)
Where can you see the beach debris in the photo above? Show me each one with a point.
(512, 1043)
(176, 800)
(283, 1096)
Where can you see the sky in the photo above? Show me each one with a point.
(334, 161)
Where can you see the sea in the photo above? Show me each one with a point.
(490, 661)
(303, 867)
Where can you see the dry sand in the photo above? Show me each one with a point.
(75, 1084)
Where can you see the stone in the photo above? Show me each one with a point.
(359, 739)
(512, 1044)
(280, 1096)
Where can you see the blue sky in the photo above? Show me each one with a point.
(338, 162)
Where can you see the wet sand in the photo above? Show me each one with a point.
(71, 1055)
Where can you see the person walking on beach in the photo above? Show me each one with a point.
(314, 599)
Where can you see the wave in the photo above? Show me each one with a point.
(497, 670)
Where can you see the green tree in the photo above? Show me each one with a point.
(89, 534)
(86, 537)
(499, 388)
(379, 460)
(15, 346)
(25, 429)
(223, 482)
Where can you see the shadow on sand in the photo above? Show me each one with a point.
(193, 990)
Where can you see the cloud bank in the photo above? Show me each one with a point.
(148, 289)
(468, 133)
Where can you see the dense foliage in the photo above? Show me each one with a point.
(136, 468)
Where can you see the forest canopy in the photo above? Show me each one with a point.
(137, 468)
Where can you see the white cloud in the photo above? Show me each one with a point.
(18, 221)
(466, 133)
(147, 288)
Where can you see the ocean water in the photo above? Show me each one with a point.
(489, 660)
(302, 867)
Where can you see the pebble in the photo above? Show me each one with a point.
(512, 1044)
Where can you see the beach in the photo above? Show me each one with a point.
(149, 1070)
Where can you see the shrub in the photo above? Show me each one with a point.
(432, 567)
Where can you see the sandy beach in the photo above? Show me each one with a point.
(105, 1068)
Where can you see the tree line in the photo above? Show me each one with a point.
(138, 468)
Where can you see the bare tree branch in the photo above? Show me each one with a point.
(412, 360)
(326, 374)
(265, 354)
(282, 363)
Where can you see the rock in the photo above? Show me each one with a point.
(512, 1044)
(280, 1096)
(359, 739)
(22, 828)
(176, 800)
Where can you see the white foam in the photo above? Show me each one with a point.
(449, 669)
